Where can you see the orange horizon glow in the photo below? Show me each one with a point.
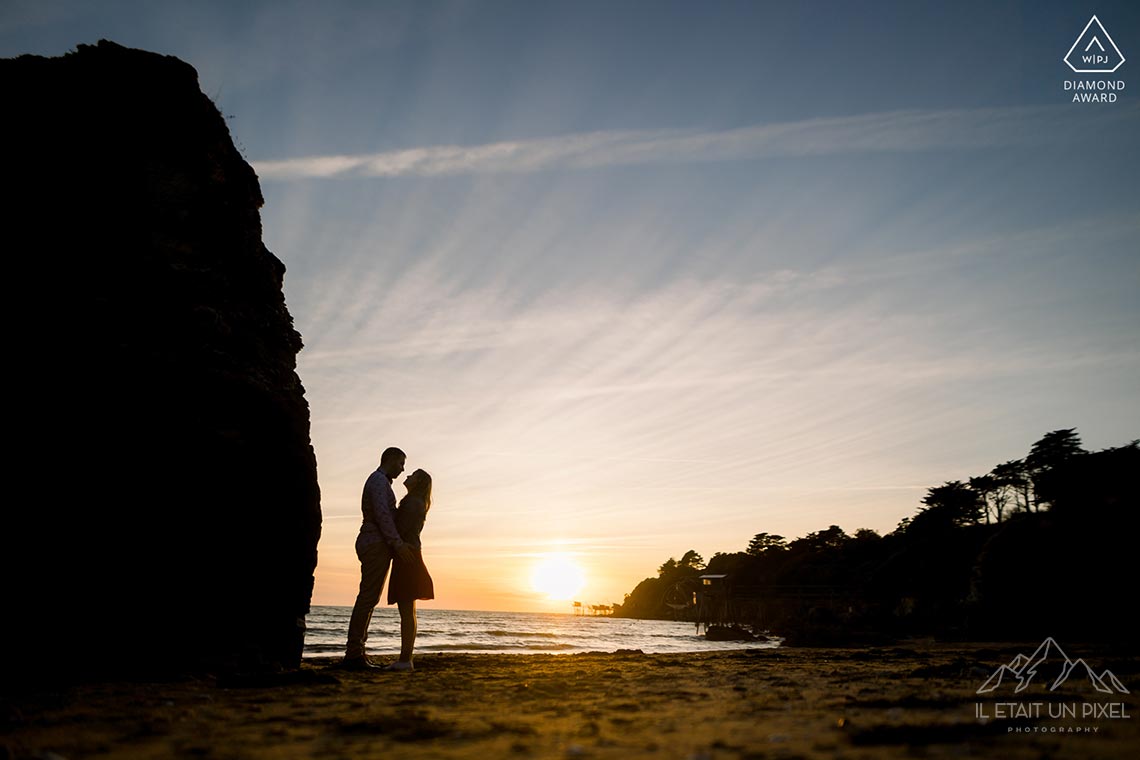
(538, 580)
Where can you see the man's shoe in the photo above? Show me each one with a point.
(400, 665)
(357, 663)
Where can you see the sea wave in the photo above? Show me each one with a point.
(531, 634)
(496, 647)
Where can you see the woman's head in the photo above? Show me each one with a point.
(419, 484)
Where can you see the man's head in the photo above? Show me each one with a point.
(392, 461)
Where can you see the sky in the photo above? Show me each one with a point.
(632, 278)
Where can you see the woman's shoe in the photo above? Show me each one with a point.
(400, 665)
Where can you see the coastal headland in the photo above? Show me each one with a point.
(906, 700)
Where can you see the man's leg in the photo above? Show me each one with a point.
(374, 563)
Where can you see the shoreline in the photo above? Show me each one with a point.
(460, 631)
(556, 650)
(876, 702)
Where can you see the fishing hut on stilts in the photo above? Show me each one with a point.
(724, 610)
(593, 610)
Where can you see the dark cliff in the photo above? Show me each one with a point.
(164, 509)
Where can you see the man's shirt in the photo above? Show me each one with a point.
(378, 505)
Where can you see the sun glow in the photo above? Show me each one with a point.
(557, 576)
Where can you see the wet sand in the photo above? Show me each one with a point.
(911, 700)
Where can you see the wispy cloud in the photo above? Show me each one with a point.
(799, 395)
(579, 362)
(895, 131)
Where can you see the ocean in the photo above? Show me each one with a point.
(510, 633)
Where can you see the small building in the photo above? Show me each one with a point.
(711, 600)
(711, 585)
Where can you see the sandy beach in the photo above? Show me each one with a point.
(914, 699)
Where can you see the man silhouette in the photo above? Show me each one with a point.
(376, 544)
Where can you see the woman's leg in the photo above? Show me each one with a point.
(407, 629)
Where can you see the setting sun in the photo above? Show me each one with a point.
(557, 576)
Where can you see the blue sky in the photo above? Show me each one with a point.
(632, 278)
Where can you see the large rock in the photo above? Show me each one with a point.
(165, 510)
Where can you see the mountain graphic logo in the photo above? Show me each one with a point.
(1050, 667)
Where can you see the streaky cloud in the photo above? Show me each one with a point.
(887, 132)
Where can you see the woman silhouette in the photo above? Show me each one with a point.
(410, 578)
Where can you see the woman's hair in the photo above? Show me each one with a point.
(421, 487)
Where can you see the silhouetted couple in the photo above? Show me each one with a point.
(390, 535)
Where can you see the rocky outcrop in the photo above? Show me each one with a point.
(165, 511)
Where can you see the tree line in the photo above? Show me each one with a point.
(1041, 545)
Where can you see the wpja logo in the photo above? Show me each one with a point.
(1047, 670)
(1094, 52)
